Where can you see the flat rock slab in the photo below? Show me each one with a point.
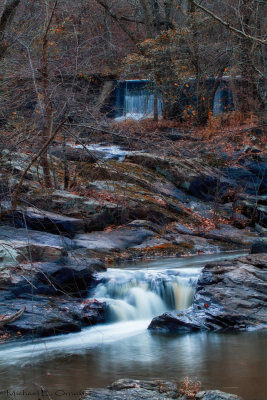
(196, 243)
(126, 389)
(45, 221)
(11, 234)
(75, 153)
(230, 295)
(115, 240)
(216, 395)
(230, 234)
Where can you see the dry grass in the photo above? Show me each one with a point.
(145, 125)
(189, 387)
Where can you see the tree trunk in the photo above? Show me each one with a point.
(47, 111)
(156, 107)
(249, 97)
(262, 18)
(5, 21)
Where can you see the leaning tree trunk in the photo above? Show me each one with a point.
(156, 105)
(262, 18)
(47, 111)
(5, 21)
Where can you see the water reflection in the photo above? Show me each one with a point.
(235, 361)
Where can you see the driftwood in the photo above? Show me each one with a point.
(13, 317)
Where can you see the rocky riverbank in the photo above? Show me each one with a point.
(125, 389)
(123, 205)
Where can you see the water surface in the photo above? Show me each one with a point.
(66, 365)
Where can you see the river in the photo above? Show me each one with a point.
(63, 366)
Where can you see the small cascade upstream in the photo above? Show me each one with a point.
(143, 294)
(107, 152)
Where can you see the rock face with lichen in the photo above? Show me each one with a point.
(230, 295)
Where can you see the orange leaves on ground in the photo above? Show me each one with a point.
(4, 336)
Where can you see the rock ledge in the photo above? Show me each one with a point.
(230, 295)
(127, 389)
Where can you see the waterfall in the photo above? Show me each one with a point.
(223, 98)
(143, 294)
(135, 99)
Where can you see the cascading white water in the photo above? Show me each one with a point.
(141, 104)
(139, 101)
(143, 294)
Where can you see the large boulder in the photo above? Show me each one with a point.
(81, 213)
(94, 312)
(255, 208)
(20, 245)
(244, 178)
(46, 316)
(70, 276)
(13, 252)
(42, 317)
(74, 277)
(260, 246)
(230, 295)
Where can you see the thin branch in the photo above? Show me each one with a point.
(230, 27)
(128, 19)
(258, 71)
(35, 158)
(50, 20)
(118, 20)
